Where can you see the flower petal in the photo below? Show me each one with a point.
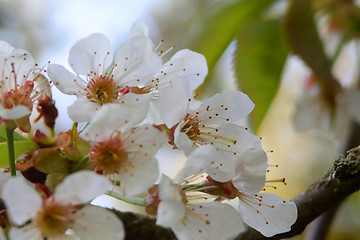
(250, 171)
(91, 55)
(14, 113)
(65, 81)
(22, 201)
(29, 232)
(210, 221)
(190, 66)
(207, 159)
(267, 213)
(136, 62)
(105, 122)
(82, 111)
(182, 141)
(81, 187)
(229, 106)
(137, 174)
(170, 213)
(97, 223)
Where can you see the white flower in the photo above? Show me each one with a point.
(95, 83)
(18, 76)
(124, 153)
(173, 86)
(267, 213)
(58, 216)
(209, 220)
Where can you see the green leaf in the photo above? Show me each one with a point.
(259, 59)
(17, 135)
(21, 147)
(220, 26)
(303, 38)
(48, 160)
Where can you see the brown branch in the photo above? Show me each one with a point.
(338, 183)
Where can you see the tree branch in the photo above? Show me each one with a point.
(338, 183)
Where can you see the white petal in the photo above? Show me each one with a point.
(82, 111)
(174, 102)
(190, 66)
(138, 29)
(229, 106)
(137, 105)
(65, 81)
(91, 54)
(93, 223)
(136, 62)
(250, 171)
(81, 187)
(268, 213)
(22, 201)
(168, 191)
(137, 174)
(207, 159)
(106, 121)
(146, 139)
(14, 113)
(170, 213)
(182, 141)
(29, 232)
(5, 48)
(210, 221)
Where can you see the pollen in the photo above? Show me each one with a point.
(102, 89)
(54, 218)
(108, 156)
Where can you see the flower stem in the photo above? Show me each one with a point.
(127, 199)
(11, 151)
(80, 164)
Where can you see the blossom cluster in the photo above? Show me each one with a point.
(132, 104)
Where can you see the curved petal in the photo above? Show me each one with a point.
(22, 201)
(170, 213)
(229, 106)
(137, 174)
(210, 221)
(5, 49)
(207, 159)
(81, 187)
(91, 55)
(190, 66)
(65, 81)
(174, 102)
(136, 62)
(82, 111)
(29, 232)
(138, 29)
(250, 171)
(267, 213)
(106, 121)
(97, 223)
(14, 113)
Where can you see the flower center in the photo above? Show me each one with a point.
(54, 218)
(102, 89)
(20, 96)
(108, 156)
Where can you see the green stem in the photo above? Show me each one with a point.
(11, 150)
(127, 199)
(80, 164)
(338, 49)
(52, 132)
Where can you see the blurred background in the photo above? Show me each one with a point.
(249, 45)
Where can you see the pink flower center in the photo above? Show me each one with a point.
(108, 156)
(54, 218)
(102, 89)
(20, 96)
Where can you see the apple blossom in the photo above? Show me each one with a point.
(123, 152)
(21, 84)
(58, 216)
(96, 82)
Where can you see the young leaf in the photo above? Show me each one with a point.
(17, 136)
(20, 148)
(259, 59)
(220, 26)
